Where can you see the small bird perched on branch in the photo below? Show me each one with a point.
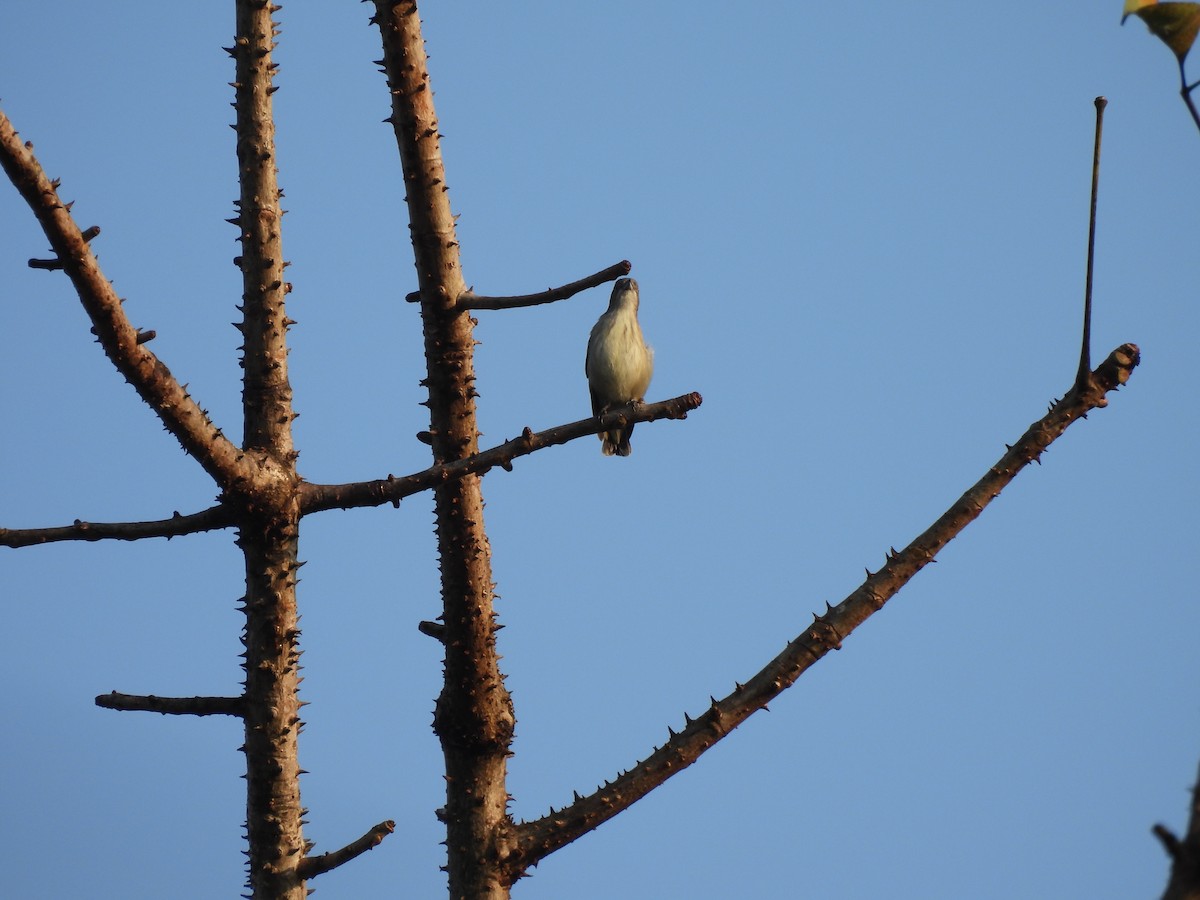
(619, 363)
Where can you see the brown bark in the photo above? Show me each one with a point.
(474, 715)
(270, 510)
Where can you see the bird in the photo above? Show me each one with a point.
(619, 363)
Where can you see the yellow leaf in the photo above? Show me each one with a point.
(1176, 24)
(1132, 6)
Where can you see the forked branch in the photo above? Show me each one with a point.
(321, 497)
(1185, 91)
(535, 840)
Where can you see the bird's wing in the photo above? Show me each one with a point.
(598, 407)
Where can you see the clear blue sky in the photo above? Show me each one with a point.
(860, 233)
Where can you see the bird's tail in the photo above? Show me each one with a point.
(616, 442)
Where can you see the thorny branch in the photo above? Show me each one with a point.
(212, 519)
(318, 497)
(121, 341)
(537, 839)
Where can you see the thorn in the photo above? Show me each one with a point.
(1167, 838)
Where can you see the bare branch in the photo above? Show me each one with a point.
(174, 706)
(211, 519)
(471, 300)
(535, 840)
(312, 866)
(153, 381)
(320, 497)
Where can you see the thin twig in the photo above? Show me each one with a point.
(1085, 352)
(471, 300)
